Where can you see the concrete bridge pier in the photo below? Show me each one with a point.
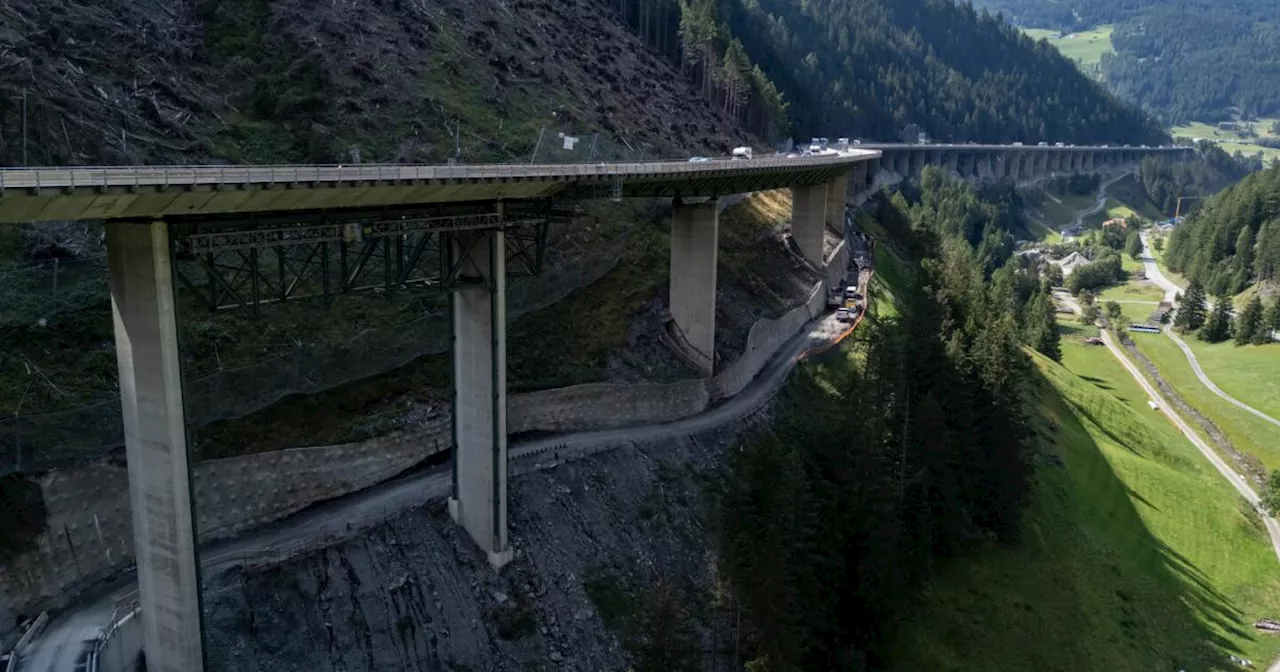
(140, 274)
(915, 161)
(983, 167)
(479, 499)
(1041, 164)
(1088, 159)
(862, 177)
(837, 204)
(809, 206)
(695, 232)
(950, 162)
(901, 163)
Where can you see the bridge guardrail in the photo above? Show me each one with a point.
(32, 632)
(165, 176)
(187, 175)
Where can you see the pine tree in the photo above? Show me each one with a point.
(1191, 309)
(1249, 325)
(1218, 327)
(1271, 493)
(1271, 321)
(1266, 262)
(1133, 244)
(1244, 254)
(1042, 322)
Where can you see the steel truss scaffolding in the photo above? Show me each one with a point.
(244, 264)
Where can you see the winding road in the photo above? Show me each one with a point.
(1101, 202)
(1237, 482)
(65, 643)
(1170, 294)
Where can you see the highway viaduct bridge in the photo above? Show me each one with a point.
(457, 227)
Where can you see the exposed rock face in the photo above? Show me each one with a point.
(415, 594)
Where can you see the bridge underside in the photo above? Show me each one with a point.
(252, 199)
(253, 244)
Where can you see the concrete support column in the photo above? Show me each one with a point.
(479, 499)
(1089, 159)
(861, 177)
(901, 163)
(808, 220)
(140, 273)
(694, 238)
(837, 203)
(982, 166)
(950, 160)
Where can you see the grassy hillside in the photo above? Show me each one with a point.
(1245, 142)
(1085, 47)
(1247, 373)
(1136, 554)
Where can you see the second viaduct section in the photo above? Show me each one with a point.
(457, 227)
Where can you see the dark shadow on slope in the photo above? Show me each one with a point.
(1138, 496)
(1099, 383)
(1182, 638)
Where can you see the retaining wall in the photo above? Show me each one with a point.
(766, 336)
(120, 648)
(90, 534)
(603, 406)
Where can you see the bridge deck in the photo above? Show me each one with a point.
(147, 192)
(139, 192)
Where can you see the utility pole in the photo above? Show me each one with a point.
(1178, 211)
(24, 127)
(536, 146)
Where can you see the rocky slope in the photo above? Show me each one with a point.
(141, 81)
(151, 81)
(595, 543)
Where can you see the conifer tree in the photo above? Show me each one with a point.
(1191, 309)
(1133, 244)
(1249, 325)
(1218, 327)
(1271, 320)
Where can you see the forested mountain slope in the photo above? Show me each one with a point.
(1234, 241)
(1185, 59)
(1164, 181)
(143, 81)
(151, 81)
(870, 68)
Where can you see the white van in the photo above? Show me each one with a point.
(741, 153)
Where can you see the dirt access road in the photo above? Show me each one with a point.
(1241, 486)
(65, 643)
(1170, 294)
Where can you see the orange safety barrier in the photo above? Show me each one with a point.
(810, 352)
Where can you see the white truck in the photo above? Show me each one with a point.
(740, 153)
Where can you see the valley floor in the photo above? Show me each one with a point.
(1136, 554)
